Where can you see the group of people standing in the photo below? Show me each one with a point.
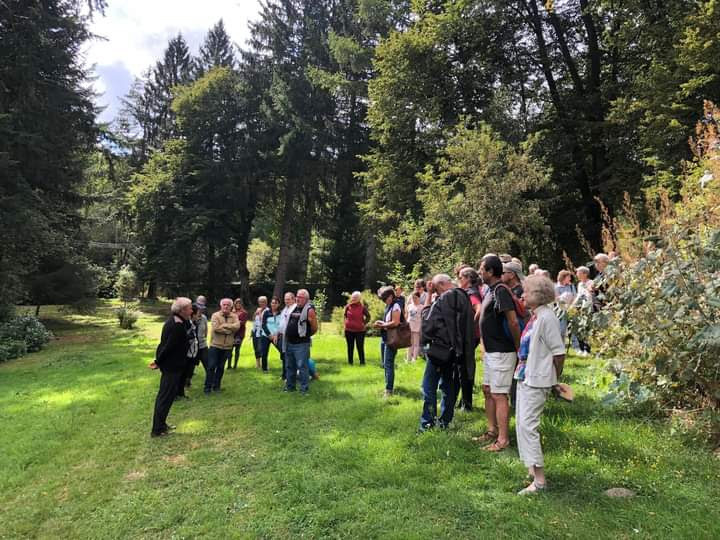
(184, 345)
(443, 321)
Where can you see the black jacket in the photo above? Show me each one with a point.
(171, 354)
(451, 324)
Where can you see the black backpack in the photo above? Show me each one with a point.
(435, 335)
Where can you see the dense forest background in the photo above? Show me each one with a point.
(349, 142)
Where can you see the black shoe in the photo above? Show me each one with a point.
(161, 434)
(169, 427)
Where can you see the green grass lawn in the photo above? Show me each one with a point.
(76, 459)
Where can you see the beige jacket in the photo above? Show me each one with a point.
(223, 330)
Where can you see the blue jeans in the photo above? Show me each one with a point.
(388, 361)
(215, 367)
(296, 359)
(431, 378)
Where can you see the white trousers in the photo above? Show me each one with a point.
(530, 404)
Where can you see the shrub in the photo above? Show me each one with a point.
(660, 323)
(11, 349)
(126, 317)
(126, 285)
(27, 329)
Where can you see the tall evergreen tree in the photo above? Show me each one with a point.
(216, 51)
(46, 127)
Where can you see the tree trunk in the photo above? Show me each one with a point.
(211, 280)
(303, 249)
(242, 269)
(37, 311)
(370, 272)
(286, 229)
(152, 289)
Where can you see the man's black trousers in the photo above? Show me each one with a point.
(169, 382)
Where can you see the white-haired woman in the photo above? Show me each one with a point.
(356, 318)
(260, 340)
(171, 358)
(541, 355)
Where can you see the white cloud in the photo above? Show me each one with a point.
(136, 33)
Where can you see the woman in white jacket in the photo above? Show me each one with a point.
(542, 355)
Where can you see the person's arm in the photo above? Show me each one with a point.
(476, 307)
(219, 325)
(514, 327)
(559, 363)
(312, 319)
(233, 324)
(366, 315)
(394, 319)
(265, 317)
(507, 307)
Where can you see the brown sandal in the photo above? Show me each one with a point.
(495, 447)
(485, 437)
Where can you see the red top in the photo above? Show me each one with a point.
(242, 317)
(474, 301)
(355, 317)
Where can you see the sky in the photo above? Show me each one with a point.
(136, 33)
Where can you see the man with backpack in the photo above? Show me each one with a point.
(501, 338)
(447, 338)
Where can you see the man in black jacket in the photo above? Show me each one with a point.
(171, 358)
(447, 337)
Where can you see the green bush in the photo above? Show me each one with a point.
(11, 349)
(660, 323)
(126, 317)
(27, 329)
(126, 285)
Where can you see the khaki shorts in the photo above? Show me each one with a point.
(498, 369)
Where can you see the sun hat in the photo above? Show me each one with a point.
(515, 268)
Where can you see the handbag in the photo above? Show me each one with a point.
(398, 337)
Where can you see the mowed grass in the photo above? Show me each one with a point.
(76, 459)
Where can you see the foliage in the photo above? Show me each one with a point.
(24, 329)
(661, 319)
(126, 285)
(320, 302)
(464, 214)
(61, 280)
(261, 260)
(127, 317)
(46, 129)
(11, 349)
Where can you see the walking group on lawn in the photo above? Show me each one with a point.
(520, 321)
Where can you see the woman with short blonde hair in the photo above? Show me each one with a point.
(542, 356)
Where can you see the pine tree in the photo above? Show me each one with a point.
(46, 128)
(216, 51)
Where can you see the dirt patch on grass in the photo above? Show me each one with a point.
(178, 459)
(135, 475)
